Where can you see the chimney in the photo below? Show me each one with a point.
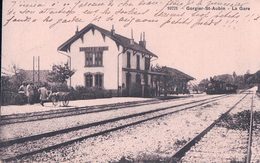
(113, 30)
(141, 40)
(77, 30)
(132, 38)
(144, 41)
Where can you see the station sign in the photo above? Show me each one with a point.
(94, 49)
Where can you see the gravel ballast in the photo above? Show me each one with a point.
(227, 141)
(158, 138)
(16, 130)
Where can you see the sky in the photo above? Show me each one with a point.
(199, 52)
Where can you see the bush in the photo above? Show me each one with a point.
(7, 84)
(238, 121)
(59, 87)
(11, 98)
(81, 93)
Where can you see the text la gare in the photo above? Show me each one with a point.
(241, 8)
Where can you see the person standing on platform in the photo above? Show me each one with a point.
(23, 91)
(30, 93)
(43, 94)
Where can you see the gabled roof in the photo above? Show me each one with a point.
(177, 73)
(119, 40)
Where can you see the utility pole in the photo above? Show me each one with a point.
(33, 68)
(38, 69)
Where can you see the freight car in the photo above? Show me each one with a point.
(220, 87)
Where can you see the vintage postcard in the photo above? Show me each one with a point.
(130, 81)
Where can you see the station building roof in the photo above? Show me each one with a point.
(119, 40)
(177, 74)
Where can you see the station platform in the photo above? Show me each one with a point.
(18, 109)
(27, 108)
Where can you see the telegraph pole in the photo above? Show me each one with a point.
(33, 67)
(38, 69)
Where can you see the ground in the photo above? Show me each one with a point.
(177, 122)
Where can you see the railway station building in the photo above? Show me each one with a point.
(178, 80)
(104, 59)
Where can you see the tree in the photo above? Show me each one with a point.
(203, 85)
(60, 73)
(18, 75)
(257, 77)
(234, 75)
(10, 82)
(253, 78)
(225, 78)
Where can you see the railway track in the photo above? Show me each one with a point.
(36, 116)
(120, 123)
(255, 148)
(250, 136)
(42, 115)
(177, 157)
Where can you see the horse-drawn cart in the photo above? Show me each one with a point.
(62, 97)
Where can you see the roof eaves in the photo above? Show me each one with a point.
(65, 46)
(179, 73)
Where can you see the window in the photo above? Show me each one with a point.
(94, 59)
(138, 79)
(88, 80)
(89, 59)
(94, 80)
(147, 63)
(137, 62)
(128, 60)
(93, 55)
(99, 80)
(99, 59)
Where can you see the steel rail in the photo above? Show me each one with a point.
(74, 112)
(99, 133)
(249, 152)
(53, 133)
(181, 152)
(43, 115)
(68, 110)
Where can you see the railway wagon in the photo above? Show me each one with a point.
(220, 87)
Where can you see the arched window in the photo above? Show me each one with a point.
(88, 80)
(99, 80)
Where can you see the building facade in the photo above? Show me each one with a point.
(107, 60)
(178, 80)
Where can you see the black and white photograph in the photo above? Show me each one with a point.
(130, 81)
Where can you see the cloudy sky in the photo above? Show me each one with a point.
(200, 52)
